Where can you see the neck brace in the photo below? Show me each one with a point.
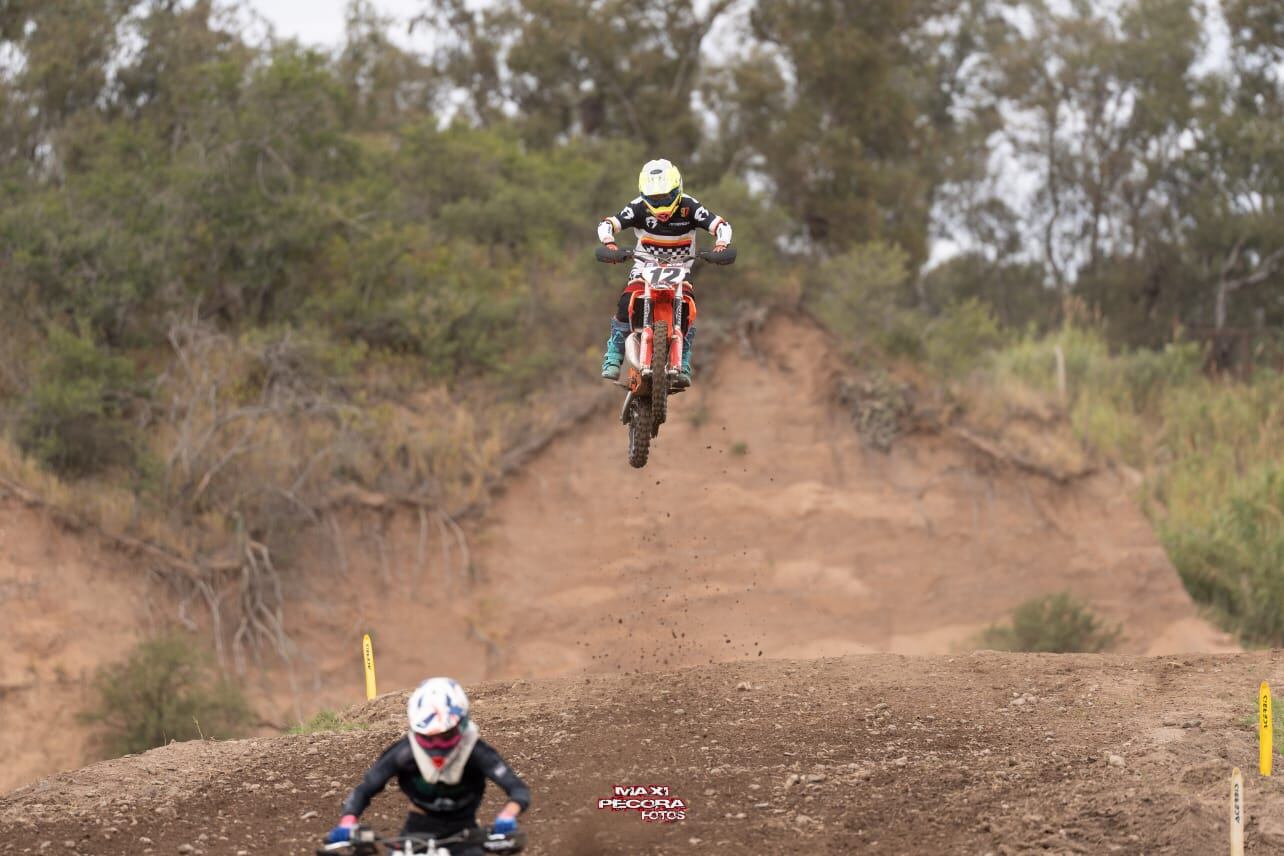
(450, 772)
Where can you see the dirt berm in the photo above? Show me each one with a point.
(971, 754)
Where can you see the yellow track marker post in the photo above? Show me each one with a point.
(367, 651)
(1265, 728)
(1237, 813)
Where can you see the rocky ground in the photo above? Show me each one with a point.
(970, 754)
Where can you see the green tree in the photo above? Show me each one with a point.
(1014, 290)
(1233, 181)
(853, 111)
(593, 68)
(65, 49)
(385, 84)
(75, 416)
(1158, 192)
(1097, 106)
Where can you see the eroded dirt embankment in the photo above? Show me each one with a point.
(761, 527)
(968, 754)
(763, 524)
(67, 605)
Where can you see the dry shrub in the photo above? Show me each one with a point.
(1056, 623)
(881, 408)
(99, 503)
(265, 435)
(258, 438)
(165, 690)
(266, 432)
(1026, 424)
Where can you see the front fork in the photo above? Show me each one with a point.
(676, 340)
(648, 335)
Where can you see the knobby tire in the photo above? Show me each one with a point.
(640, 427)
(659, 376)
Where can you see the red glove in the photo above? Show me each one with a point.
(613, 247)
(719, 248)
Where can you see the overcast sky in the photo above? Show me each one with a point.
(321, 21)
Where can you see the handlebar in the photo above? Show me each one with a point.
(365, 840)
(609, 256)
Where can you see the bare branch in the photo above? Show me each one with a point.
(1262, 273)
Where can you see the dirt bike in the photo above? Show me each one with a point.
(653, 350)
(367, 842)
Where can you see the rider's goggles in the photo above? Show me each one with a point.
(664, 204)
(443, 742)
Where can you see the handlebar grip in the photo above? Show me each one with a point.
(723, 257)
(605, 254)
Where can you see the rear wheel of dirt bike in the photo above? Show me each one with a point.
(640, 433)
(659, 376)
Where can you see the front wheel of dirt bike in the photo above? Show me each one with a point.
(659, 376)
(640, 433)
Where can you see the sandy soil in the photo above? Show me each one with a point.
(761, 528)
(969, 754)
(68, 605)
(768, 528)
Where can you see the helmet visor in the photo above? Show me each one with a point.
(665, 202)
(441, 743)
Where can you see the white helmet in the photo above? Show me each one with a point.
(437, 706)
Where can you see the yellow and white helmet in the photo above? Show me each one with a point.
(660, 184)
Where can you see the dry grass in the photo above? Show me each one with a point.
(99, 503)
(257, 441)
(1208, 451)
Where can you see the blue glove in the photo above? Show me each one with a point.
(338, 834)
(504, 825)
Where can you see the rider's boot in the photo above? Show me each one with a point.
(614, 355)
(683, 379)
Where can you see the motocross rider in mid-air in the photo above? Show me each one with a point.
(441, 766)
(664, 221)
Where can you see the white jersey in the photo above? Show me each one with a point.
(671, 240)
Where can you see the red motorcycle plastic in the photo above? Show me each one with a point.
(653, 350)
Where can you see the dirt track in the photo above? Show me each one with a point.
(974, 754)
(762, 527)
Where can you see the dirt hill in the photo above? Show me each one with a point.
(763, 525)
(761, 528)
(970, 754)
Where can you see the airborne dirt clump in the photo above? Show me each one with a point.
(971, 754)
